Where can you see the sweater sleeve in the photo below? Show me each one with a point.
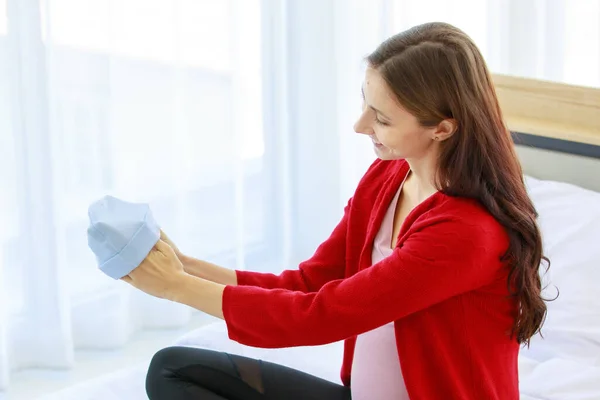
(435, 263)
(327, 264)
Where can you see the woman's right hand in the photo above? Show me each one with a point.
(202, 269)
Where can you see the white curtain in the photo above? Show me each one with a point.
(158, 101)
(556, 40)
(232, 118)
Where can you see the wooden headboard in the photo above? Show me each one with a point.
(552, 113)
(556, 128)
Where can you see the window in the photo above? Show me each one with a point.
(555, 40)
(3, 17)
(168, 112)
(581, 45)
(156, 101)
(9, 255)
(469, 15)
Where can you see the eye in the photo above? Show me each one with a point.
(380, 122)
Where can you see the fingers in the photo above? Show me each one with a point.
(127, 279)
(165, 249)
(163, 236)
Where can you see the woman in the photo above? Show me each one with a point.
(431, 277)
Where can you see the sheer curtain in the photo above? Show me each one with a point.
(232, 118)
(555, 40)
(158, 101)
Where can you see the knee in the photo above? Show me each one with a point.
(160, 371)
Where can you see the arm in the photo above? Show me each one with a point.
(208, 271)
(327, 264)
(432, 265)
(202, 269)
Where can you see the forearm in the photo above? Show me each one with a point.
(210, 272)
(200, 294)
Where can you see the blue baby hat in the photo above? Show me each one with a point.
(121, 234)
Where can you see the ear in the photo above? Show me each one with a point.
(444, 130)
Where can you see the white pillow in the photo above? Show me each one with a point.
(570, 224)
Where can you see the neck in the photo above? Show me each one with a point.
(422, 175)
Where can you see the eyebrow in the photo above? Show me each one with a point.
(373, 108)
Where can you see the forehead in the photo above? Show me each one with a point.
(376, 88)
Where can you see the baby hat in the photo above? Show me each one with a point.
(121, 234)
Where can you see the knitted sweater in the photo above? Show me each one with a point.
(444, 287)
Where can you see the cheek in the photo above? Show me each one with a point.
(383, 131)
(392, 136)
(408, 142)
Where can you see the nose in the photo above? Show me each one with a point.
(362, 125)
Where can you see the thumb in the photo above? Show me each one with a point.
(163, 236)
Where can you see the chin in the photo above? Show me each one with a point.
(386, 155)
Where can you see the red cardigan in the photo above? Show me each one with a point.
(444, 287)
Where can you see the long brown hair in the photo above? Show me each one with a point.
(437, 73)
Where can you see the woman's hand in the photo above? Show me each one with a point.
(202, 269)
(167, 240)
(161, 273)
(185, 260)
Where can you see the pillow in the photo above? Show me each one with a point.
(569, 218)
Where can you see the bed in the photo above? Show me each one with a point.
(561, 159)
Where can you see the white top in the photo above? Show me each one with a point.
(376, 373)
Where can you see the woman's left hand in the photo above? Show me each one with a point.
(160, 274)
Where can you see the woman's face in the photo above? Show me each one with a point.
(395, 132)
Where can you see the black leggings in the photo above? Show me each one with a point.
(185, 373)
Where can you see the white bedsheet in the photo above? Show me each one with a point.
(554, 379)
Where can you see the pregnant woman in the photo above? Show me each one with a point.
(431, 277)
